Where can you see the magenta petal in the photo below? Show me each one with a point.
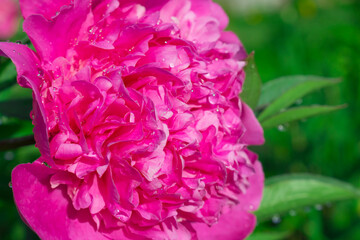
(238, 223)
(234, 225)
(46, 8)
(25, 60)
(254, 134)
(48, 211)
(51, 39)
(251, 200)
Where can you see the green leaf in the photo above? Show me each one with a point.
(268, 236)
(252, 85)
(6, 84)
(7, 71)
(297, 113)
(288, 192)
(274, 88)
(19, 108)
(284, 96)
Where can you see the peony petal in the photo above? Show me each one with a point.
(41, 7)
(51, 39)
(236, 224)
(251, 200)
(254, 134)
(25, 60)
(48, 211)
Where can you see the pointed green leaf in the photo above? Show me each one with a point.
(283, 96)
(268, 236)
(252, 85)
(297, 113)
(7, 71)
(19, 108)
(293, 191)
(275, 88)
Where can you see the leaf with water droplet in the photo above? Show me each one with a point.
(266, 235)
(280, 97)
(288, 192)
(297, 113)
(277, 87)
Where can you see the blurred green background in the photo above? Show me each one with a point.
(289, 37)
(312, 37)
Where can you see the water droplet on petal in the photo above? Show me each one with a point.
(46, 164)
(172, 65)
(18, 42)
(276, 219)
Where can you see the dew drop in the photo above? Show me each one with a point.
(18, 42)
(46, 164)
(40, 73)
(9, 156)
(318, 207)
(292, 213)
(172, 65)
(10, 184)
(307, 209)
(281, 128)
(276, 219)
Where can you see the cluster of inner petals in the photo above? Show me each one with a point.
(143, 116)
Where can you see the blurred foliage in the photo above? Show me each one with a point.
(314, 38)
(292, 37)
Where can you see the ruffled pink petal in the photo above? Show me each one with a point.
(49, 211)
(254, 134)
(52, 38)
(236, 224)
(251, 200)
(25, 60)
(42, 7)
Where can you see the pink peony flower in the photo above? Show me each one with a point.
(138, 121)
(9, 18)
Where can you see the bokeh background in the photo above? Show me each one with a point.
(289, 37)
